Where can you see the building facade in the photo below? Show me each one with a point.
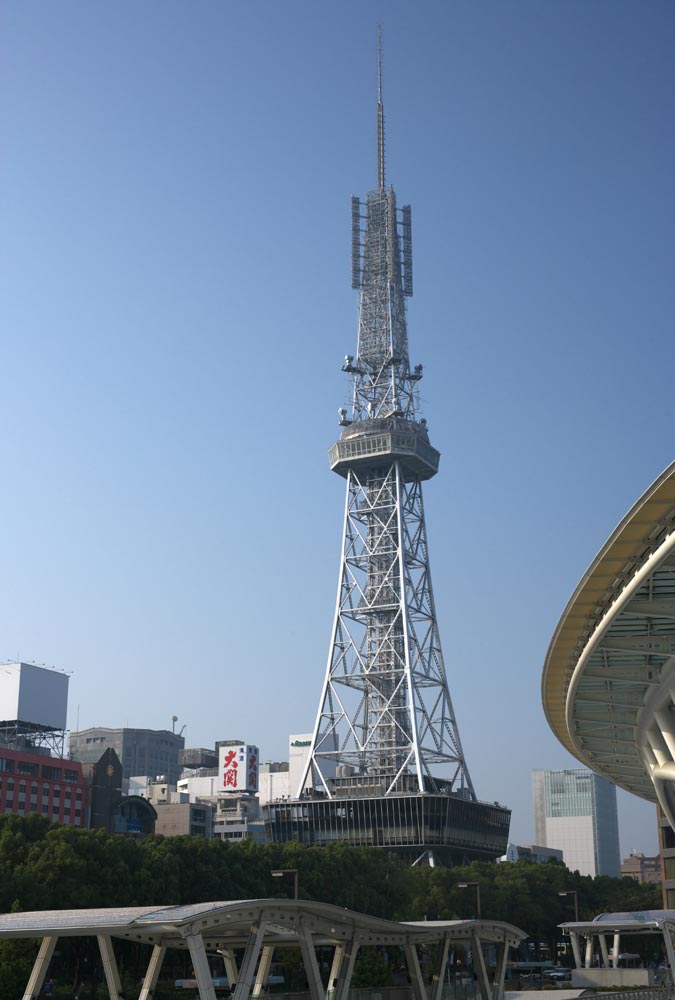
(642, 868)
(48, 786)
(575, 811)
(141, 751)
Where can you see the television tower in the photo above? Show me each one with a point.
(386, 764)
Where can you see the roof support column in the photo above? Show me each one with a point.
(576, 950)
(263, 972)
(40, 966)
(152, 974)
(415, 973)
(316, 989)
(668, 941)
(500, 971)
(479, 967)
(588, 951)
(340, 977)
(602, 938)
(110, 970)
(230, 962)
(439, 972)
(247, 970)
(616, 948)
(200, 964)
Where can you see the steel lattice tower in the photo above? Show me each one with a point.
(385, 728)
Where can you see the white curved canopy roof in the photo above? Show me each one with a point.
(608, 684)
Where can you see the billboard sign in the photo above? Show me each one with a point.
(238, 769)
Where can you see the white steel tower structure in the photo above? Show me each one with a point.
(385, 728)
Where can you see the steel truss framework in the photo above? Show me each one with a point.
(385, 717)
(385, 708)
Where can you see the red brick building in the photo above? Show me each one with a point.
(37, 783)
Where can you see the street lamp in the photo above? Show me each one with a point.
(572, 892)
(279, 872)
(476, 886)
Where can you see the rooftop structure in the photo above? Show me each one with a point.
(608, 684)
(33, 707)
(386, 765)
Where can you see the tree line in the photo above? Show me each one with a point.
(45, 866)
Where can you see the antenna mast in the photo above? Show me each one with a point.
(380, 114)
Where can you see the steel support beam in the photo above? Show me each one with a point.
(416, 981)
(342, 969)
(248, 965)
(110, 970)
(480, 968)
(500, 971)
(40, 966)
(200, 964)
(152, 973)
(312, 972)
(230, 962)
(264, 966)
(438, 979)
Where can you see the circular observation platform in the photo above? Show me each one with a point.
(380, 441)
(608, 685)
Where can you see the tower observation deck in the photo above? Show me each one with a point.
(386, 766)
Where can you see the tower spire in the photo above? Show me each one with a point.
(380, 114)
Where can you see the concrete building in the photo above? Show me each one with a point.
(641, 868)
(141, 751)
(192, 819)
(33, 782)
(575, 811)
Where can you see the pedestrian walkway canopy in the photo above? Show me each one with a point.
(247, 932)
(660, 922)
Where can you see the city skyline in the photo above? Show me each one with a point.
(176, 187)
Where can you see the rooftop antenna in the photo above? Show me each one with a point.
(380, 114)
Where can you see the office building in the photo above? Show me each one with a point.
(575, 811)
(141, 751)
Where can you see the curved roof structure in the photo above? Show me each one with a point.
(608, 686)
(258, 926)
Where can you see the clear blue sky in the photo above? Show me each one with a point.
(175, 304)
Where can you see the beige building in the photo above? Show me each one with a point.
(641, 868)
(192, 819)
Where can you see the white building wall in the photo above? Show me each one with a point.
(574, 836)
(273, 785)
(198, 787)
(299, 747)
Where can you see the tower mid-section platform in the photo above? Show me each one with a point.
(369, 443)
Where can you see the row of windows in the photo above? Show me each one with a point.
(9, 785)
(66, 819)
(31, 768)
(21, 805)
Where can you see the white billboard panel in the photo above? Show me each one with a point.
(33, 694)
(238, 769)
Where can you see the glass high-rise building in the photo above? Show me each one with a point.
(575, 812)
